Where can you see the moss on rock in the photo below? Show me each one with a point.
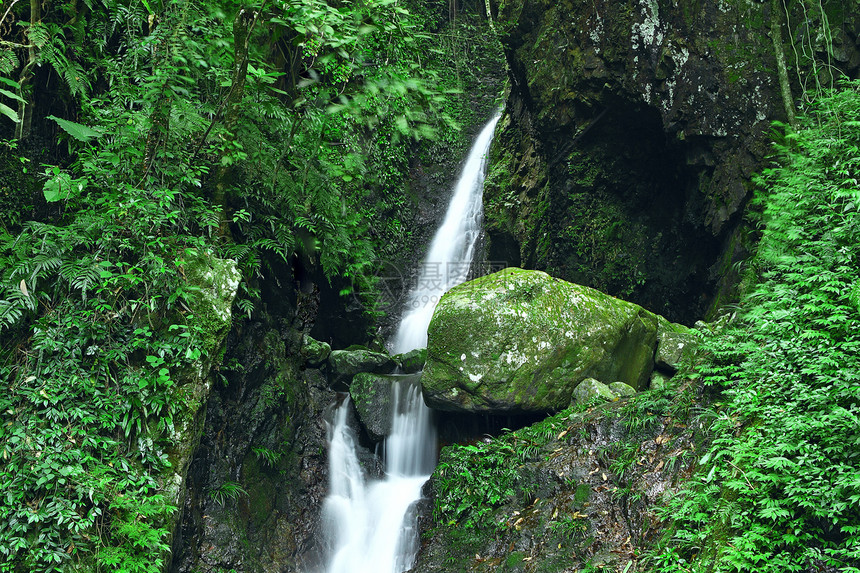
(520, 341)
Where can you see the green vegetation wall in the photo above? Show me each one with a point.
(158, 158)
(779, 488)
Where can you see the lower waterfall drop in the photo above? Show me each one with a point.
(371, 524)
(368, 522)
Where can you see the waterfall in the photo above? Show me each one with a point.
(450, 255)
(370, 525)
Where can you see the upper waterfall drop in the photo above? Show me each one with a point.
(450, 254)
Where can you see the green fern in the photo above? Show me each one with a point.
(778, 490)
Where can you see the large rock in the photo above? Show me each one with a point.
(344, 364)
(520, 341)
(591, 390)
(374, 396)
(215, 282)
(412, 361)
(674, 347)
(314, 351)
(631, 133)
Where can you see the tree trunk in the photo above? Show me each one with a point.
(160, 117)
(243, 25)
(782, 69)
(25, 108)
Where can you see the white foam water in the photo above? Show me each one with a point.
(370, 524)
(453, 247)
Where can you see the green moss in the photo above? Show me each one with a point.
(514, 559)
(583, 492)
(213, 283)
(547, 335)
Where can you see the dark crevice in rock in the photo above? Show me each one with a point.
(457, 428)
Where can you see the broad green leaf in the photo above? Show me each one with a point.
(14, 96)
(9, 112)
(57, 187)
(76, 130)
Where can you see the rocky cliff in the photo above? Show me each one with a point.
(631, 134)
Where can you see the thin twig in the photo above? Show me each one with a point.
(8, 10)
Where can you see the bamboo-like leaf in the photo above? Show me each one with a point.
(12, 95)
(76, 130)
(11, 83)
(9, 112)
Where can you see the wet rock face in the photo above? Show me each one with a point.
(259, 476)
(375, 398)
(372, 395)
(216, 282)
(520, 341)
(631, 133)
(344, 364)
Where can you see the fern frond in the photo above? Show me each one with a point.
(8, 61)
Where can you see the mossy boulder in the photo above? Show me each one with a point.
(673, 348)
(520, 341)
(412, 361)
(344, 364)
(621, 389)
(591, 390)
(314, 351)
(372, 396)
(659, 381)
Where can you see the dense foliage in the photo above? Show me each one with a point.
(160, 137)
(472, 480)
(779, 490)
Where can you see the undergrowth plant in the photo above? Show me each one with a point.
(779, 489)
(472, 480)
(179, 132)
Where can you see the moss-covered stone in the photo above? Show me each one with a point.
(372, 396)
(214, 283)
(591, 390)
(520, 341)
(412, 361)
(658, 381)
(621, 389)
(673, 348)
(344, 364)
(314, 351)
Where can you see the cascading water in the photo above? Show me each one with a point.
(367, 523)
(370, 525)
(450, 255)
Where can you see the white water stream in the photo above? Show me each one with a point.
(370, 525)
(452, 249)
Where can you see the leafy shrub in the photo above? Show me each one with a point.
(472, 480)
(779, 489)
